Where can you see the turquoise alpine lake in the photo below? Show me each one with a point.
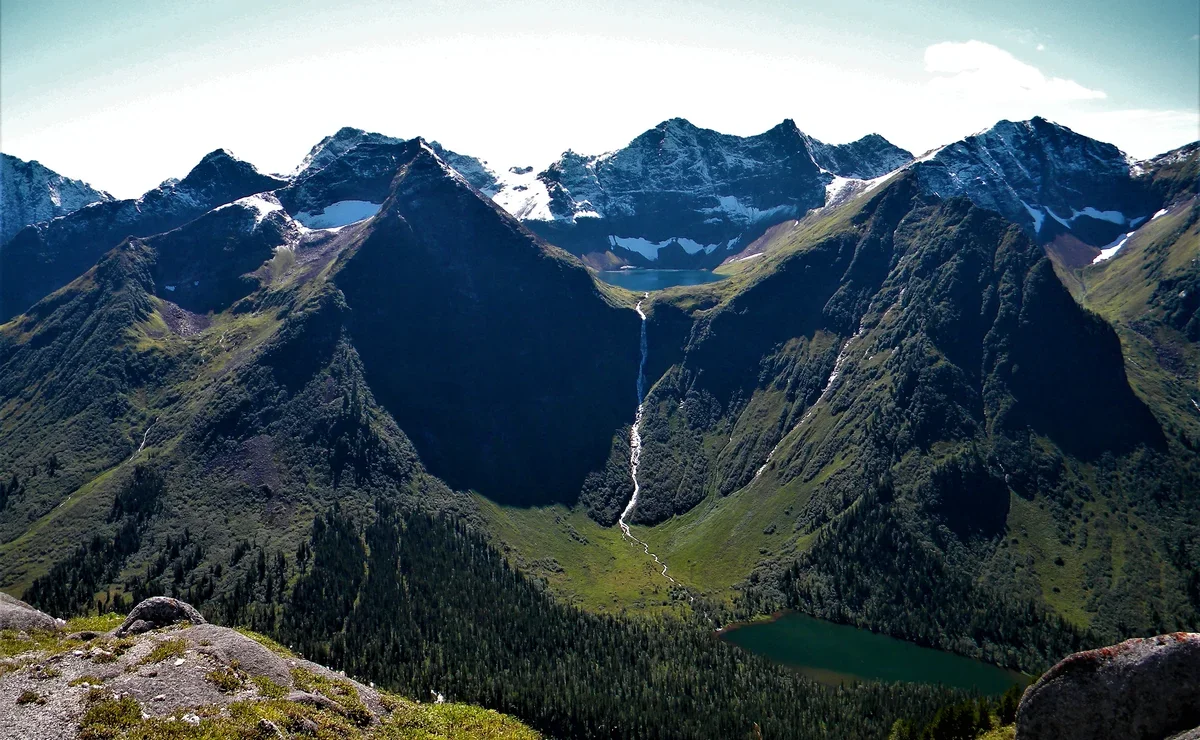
(837, 653)
(642, 281)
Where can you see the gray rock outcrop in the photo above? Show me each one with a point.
(1140, 689)
(17, 615)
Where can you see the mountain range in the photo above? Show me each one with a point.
(954, 399)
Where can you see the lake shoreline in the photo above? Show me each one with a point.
(761, 619)
(646, 279)
(835, 654)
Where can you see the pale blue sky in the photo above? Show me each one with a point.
(126, 94)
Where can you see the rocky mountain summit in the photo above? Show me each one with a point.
(1044, 176)
(347, 176)
(1143, 689)
(681, 195)
(1078, 197)
(164, 671)
(870, 157)
(31, 192)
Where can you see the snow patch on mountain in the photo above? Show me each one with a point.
(1037, 215)
(1111, 250)
(1115, 217)
(263, 204)
(731, 205)
(341, 213)
(524, 195)
(649, 249)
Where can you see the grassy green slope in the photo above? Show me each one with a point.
(960, 359)
(1148, 292)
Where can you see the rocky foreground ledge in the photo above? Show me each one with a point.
(165, 673)
(1142, 689)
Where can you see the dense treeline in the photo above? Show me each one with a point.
(964, 720)
(424, 604)
(71, 585)
(868, 552)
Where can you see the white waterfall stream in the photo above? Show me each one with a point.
(635, 449)
(145, 435)
(142, 446)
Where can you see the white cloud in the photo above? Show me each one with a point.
(1140, 132)
(1041, 47)
(981, 71)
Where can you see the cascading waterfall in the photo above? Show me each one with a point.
(635, 447)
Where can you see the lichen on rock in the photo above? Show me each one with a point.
(1140, 689)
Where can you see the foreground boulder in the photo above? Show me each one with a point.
(1141, 689)
(17, 615)
(155, 612)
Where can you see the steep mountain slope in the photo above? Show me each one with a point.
(250, 461)
(908, 372)
(42, 258)
(30, 192)
(681, 195)
(899, 418)
(233, 345)
(481, 339)
(1148, 288)
(99, 370)
(827, 289)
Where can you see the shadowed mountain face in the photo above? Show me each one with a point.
(903, 385)
(959, 310)
(494, 351)
(209, 263)
(497, 352)
(42, 258)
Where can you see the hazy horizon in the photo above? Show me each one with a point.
(126, 98)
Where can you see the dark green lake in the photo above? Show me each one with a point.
(643, 281)
(836, 653)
